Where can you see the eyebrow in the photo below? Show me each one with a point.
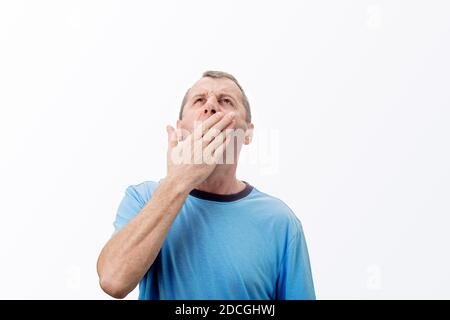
(198, 95)
(221, 95)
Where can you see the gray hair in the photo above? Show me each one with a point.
(216, 75)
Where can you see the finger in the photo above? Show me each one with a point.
(218, 141)
(219, 138)
(171, 136)
(216, 129)
(221, 149)
(204, 126)
(180, 135)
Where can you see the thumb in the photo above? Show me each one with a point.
(171, 136)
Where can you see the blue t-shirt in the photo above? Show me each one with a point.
(248, 245)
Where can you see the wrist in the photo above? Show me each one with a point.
(177, 184)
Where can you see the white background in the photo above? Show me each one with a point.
(356, 94)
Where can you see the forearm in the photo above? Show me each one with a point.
(130, 252)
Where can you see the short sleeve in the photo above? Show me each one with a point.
(134, 199)
(295, 280)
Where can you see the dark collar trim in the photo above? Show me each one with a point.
(222, 197)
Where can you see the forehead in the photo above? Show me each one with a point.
(215, 85)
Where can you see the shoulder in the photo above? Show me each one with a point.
(278, 212)
(141, 192)
(135, 198)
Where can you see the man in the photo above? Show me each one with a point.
(200, 233)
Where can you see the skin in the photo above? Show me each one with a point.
(214, 106)
(206, 96)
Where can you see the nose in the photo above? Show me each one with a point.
(211, 106)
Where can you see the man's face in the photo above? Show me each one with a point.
(210, 95)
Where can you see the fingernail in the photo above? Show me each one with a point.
(231, 114)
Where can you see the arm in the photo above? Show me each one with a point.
(130, 252)
(128, 255)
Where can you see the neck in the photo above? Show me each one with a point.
(222, 181)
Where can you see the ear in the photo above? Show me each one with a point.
(249, 133)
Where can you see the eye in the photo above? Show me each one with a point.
(198, 100)
(227, 101)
